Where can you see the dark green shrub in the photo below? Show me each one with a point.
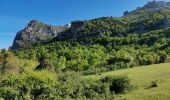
(118, 84)
(45, 64)
(96, 90)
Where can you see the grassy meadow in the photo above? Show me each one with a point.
(141, 78)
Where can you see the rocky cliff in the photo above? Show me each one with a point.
(34, 32)
(152, 6)
(37, 31)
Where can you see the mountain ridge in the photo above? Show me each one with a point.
(152, 6)
(100, 27)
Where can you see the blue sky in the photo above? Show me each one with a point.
(15, 14)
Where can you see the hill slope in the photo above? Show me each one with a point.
(142, 77)
(153, 16)
(141, 37)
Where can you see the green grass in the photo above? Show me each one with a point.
(141, 78)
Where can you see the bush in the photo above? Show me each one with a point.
(33, 85)
(45, 64)
(9, 63)
(118, 84)
(43, 85)
(97, 90)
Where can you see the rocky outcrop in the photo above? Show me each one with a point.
(157, 5)
(151, 6)
(144, 16)
(72, 32)
(34, 32)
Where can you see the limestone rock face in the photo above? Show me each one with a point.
(72, 32)
(157, 5)
(151, 6)
(34, 32)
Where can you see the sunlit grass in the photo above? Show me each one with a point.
(141, 78)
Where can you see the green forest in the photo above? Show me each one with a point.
(52, 69)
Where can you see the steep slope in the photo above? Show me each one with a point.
(35, 32)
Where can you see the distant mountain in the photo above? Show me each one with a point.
(152, 16)
(152, 6)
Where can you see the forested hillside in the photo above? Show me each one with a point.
(108, 43)
(47, 62)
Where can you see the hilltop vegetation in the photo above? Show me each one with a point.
(48, 62)
(94, 50)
